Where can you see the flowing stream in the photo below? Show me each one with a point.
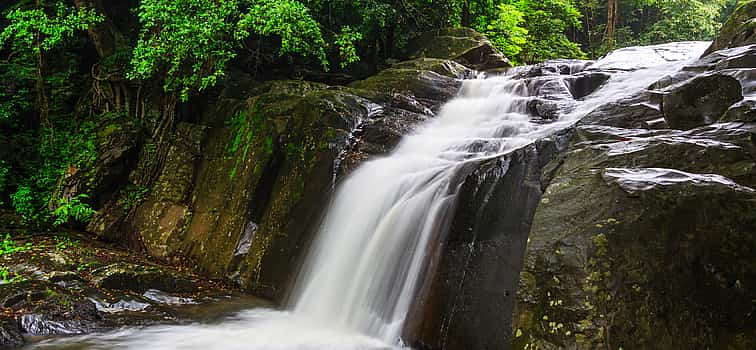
(368, 260)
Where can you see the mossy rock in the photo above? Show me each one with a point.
(463, 45)
(49, 309)
(139, 278)
(739, 30)
(643, 239)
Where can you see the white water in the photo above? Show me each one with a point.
(365, 265)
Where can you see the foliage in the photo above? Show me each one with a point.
(547, 22)
(684, 20)
(505, 31)
(529, 31)
(346, 43)
(288, 19)
(72, 209)
(185, 42)
(3, 174)
(63, 243)
(643, 22)
(35, 30)
(8, 246)
(132, 196)
(188, 43)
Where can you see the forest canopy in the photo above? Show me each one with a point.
(170, 51)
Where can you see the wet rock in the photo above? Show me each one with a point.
(463, 45)
(634, 250)
(10, 334)
(139, 278)
(584, 84)
(633, 112)
(552, 67)
(743, 111)
(50, 309)
(474, 276)
(700, 101)
(739, 30)
(622, 237)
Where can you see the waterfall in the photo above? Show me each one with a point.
(365, 266)
(369, 257)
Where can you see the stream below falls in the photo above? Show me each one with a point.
(369, 257)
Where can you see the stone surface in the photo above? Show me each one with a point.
(50, 309)
(139, 278)
(739, 30)
(478, 263)
(10, 334)
(463, 45)
(700, 101)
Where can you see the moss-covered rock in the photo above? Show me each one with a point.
(739, 30)
(463, 45)
(139, 278)
(49, 308)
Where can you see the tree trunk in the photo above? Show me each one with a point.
(466, 20)
(611, 19)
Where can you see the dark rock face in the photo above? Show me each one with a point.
(700, 101)
(477, 271)
(462, 45)
(584, 84)
(642, 238)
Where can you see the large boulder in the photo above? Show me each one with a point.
(642, 237)
(700, 101)
(463, 45)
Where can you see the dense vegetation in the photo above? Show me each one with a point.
(69, 65)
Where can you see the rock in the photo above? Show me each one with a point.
(10, 334)
(582, 85)
(463, 45)
(49, 309)
(631, 230)
(472, 288)
(739, 30)
(139, 278)
(701, 101)
(743, 111)
(634, 252)
(552, 67)
(117, 144)
(633, 112)
(427, 86)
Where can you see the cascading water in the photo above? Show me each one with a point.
(365, 266)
